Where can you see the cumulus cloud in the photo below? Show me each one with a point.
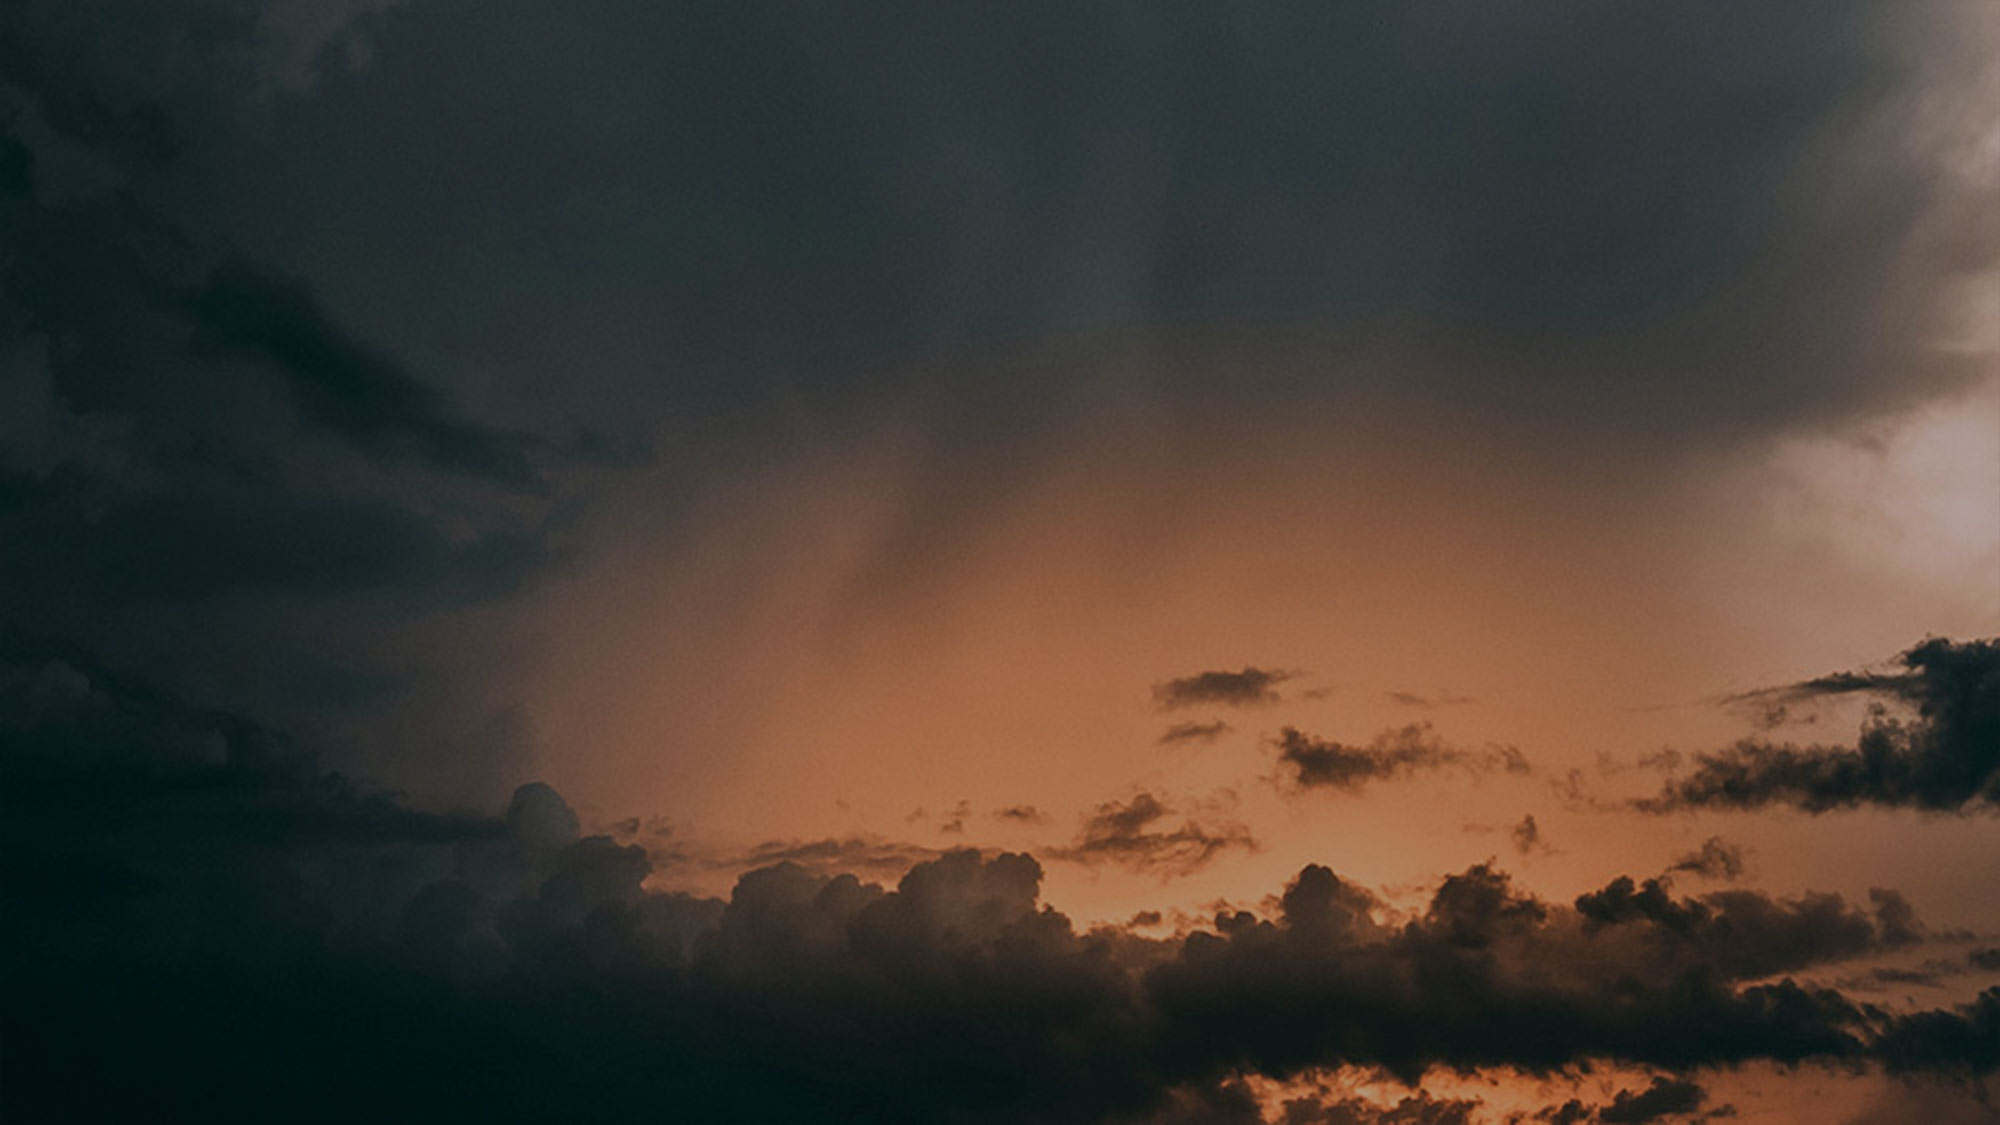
(1249, 687)
(1944, 756)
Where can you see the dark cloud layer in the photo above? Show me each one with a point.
(358, 392)
(308, 316)
(1609, 216)
(1942, 757)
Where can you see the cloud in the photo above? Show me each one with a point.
(1666, 1097)
(1194, 732)
(1961, 1040)
(1398, 752)
(1429, 702)
(1250, 687)
(1136, 834)
(1944, 758)
(261, 360)
(1528, 839)
(201, 439)
(1726, 292)
(1419, 1108)
(213, 909)
(1746, 935)
(866, 854)
(357, 391)
(953, 823)
(1715, 859)
(1261, 992)
(1021, 814)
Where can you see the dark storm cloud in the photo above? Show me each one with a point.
(358, 392)
(800, 194)
(191, 444)
(1250, 687)
(114, 297)
(1316, 763)
(1140, 834)
(279, 249)
(83, 538)
(241, 930)
(1193, 732)
(1944, 756)
(1715, 859)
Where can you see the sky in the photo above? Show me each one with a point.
(1366, 563)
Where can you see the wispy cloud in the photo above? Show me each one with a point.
(1142, 834)
(1316, 763)
(1194, 732)
(1248, 687)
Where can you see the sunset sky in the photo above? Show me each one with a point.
(1334, 563)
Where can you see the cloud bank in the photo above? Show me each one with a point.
(267, 930)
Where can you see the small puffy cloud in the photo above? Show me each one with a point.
(1399, 752)
(1715, 859)
(1183, 733)
(1248, 687)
